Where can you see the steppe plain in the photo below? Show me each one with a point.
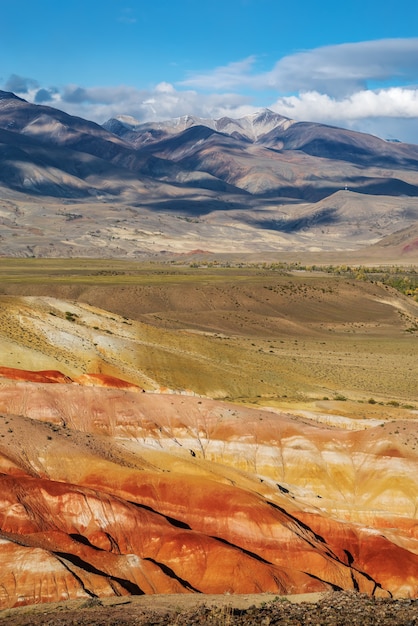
(261, 333)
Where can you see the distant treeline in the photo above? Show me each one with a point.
(403, 279)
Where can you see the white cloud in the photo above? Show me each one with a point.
(367, 86)
(388, 113)
(162, 102)
(165, 88)
(347, 68)
(336, 70)
(236, 74)
(20, 84)
(165, 101)
(392, 102)
(98, 95)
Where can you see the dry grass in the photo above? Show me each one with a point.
(246, 334)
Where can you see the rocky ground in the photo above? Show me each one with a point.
(332, 609)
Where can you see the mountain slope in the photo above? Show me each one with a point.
(251, 127)
(259, 183)
(272, 130)
(343, 145)
(71, 139)
(268, 153)
(32, 166)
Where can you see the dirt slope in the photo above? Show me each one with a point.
(124, 492)
(226, 334)
(111, 488)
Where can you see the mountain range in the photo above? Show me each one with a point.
(262, 183)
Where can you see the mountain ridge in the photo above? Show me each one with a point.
(246, 180)
(250, 126)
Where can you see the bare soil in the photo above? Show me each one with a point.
(332, 609)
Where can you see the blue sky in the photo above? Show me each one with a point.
(352, 64)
